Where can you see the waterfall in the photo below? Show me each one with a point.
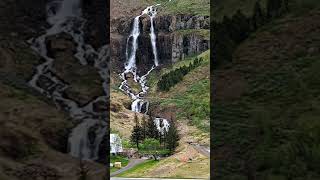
(153, 38)
(140, 104)
(162, 124)
(131, 65)
(65, 17)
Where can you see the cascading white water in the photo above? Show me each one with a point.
(153, 36)
(64, 16)
(162, 124)
(139, 103)
(131, 65)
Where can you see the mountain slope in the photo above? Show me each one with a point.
(266, 103)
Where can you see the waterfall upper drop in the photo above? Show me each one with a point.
(151, 11)
(139, 104)
(130, 65)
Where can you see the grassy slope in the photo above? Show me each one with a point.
(191, 96)
(139, 169)
(199, 7)
(267, 104)
(175, 166)
(229, 7)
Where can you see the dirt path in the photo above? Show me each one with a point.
(132, 163)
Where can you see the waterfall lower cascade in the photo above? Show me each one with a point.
(66, 17)
(140, 104)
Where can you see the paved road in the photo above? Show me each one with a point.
(202, 149)
(132, 163)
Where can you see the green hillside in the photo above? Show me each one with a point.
(267, 101)
(199, 7)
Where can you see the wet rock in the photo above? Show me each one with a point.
(104, 149)
(84, 82)
(60, 43)
(92, 133)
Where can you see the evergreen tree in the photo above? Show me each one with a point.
(284, 8)
(273, 8)
(144, 127)
(241, 27)
(152, 131)
(137, 134)
(258, 18)
(172, 137)
(223, 46)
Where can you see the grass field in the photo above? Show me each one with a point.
(140, 169)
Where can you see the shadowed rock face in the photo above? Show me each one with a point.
(172, 44)
(22, 18)
(97, 28)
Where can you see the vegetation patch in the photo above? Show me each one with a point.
(124, 161)
(199, 7)
(272, 130)
(173, 77)
(194, 104)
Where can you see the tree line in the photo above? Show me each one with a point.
(148, 139)
(231, 31)
(174, 77)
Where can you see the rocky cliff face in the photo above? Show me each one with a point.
(177, 37)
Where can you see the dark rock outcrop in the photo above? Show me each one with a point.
(96, 13)
(177, 37)
(23, 18)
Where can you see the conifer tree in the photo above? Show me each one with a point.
(152, 131)
(136, 135)
(172, 137)
(144, 127)
(241, 27)
(273, 8)
(258, 18)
